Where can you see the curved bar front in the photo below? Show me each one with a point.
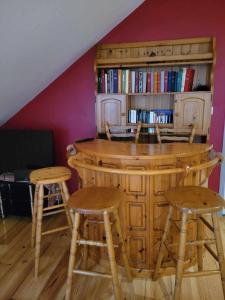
(144, 172)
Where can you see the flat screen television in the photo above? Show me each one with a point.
(25, 149)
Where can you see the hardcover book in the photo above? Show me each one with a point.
(183, 79)
(152, 82)
(132, 82)
(136, 81)
(166, 81)
(155, 82)
(148, 89)
(140, 89)
(162, 81)
(119, 81)
(144, 85)
(189, 80)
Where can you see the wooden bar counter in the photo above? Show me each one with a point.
(144, 172)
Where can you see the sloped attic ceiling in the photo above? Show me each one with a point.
(40, 39)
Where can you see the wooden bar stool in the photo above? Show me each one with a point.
(198, 201)
(97, 201)
(41, 178)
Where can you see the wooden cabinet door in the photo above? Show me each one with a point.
(112, 109)
(193, 108)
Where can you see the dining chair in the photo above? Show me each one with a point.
(175, 134)
(123, 132)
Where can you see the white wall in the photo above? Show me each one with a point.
(39, 39)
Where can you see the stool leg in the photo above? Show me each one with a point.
(112, 261)
(181, 254)
(73, 249)
(219, 247)
(85, 247)
(124, 254)
(65, 194)
(161, 248)
(34, 216)
(199, 247)
(38, 228)
(1, 207)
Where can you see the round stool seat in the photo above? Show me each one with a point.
(50, 175)
(193, 199)
(95, 199)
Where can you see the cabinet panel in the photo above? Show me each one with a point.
(136, 185)
(136, 216)
(193, 108)
(137, 250)
(110, 108)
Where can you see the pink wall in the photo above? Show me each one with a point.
(67, 105)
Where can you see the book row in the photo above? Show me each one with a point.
(127, 81)
(161, 116)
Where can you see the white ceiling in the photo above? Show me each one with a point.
(39, 39)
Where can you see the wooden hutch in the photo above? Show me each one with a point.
(192, 107)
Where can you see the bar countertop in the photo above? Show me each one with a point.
(128, 150)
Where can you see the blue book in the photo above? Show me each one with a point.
(115, 81)
(173, 81)
(170, 81)
(111, 80)
(179, 80)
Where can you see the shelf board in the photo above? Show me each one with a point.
(152, 125)
(154, 94)
(173, 59)
(142, 65)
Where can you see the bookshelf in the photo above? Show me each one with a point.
(167, 82)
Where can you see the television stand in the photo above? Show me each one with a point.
(16, 198)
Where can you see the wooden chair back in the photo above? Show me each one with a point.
(175, 135)
(123, 132)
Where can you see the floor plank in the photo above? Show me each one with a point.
(17, 269)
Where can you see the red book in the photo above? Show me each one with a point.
(158, 82)
(189, 80)
(129, 82)
(148, 90)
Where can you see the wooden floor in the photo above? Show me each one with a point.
(17, 269)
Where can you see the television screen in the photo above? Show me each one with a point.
(25, 149)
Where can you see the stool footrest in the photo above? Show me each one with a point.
(53, 212)
(91, 273)
(55, 230)
(54, 207)
(97, 221)
(195, 243)
(93, 243)
(202, 273)
(52, 195)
